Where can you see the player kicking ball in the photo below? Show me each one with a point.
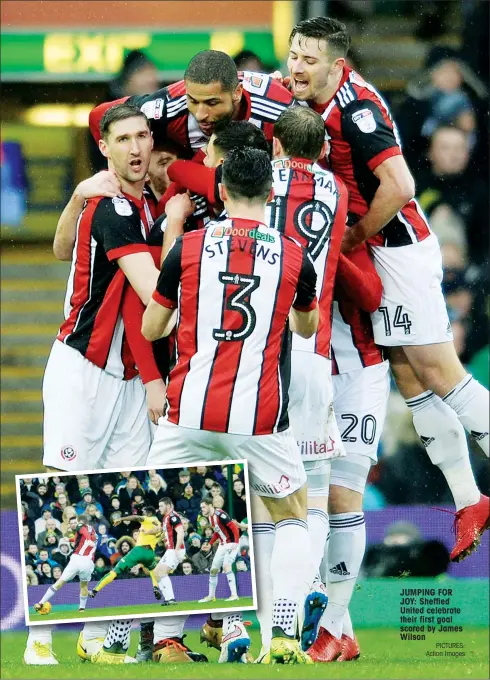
(226, 530)
(81, 564)
(142, 553)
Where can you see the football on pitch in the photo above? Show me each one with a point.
(46, 608)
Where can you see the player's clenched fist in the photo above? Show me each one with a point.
(156, 393)
(179, 206)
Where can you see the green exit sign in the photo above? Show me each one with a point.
(99, 56)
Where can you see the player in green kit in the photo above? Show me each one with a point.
(142, 553)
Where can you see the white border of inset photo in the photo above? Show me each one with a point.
(152, 614)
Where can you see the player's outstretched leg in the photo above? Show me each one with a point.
(43, 606)
(39, 647)
(116, 644)
(104, 581)
(156, 590)
(439, 422)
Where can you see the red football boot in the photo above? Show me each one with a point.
(325, 648)
(350, 649)
(469, 525)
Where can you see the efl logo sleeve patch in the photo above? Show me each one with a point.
(365, 121)
(122, 206)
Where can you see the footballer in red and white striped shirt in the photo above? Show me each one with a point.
(81, 564)
(212, 90)
(235, 287)
(226, 531)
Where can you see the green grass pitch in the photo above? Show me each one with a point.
(71, 611)
(384, 655)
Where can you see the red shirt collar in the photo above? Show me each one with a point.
(139, 202)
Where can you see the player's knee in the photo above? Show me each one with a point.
(406, 379)
(293, 506)
(214, 572)
(342, 499)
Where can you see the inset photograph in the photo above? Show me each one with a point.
(134, 543)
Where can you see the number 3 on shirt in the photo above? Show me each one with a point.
(238, 301)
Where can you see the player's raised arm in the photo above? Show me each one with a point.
(159, 312)
(104, 183)
(153, 106)
(358, 279)
(372, 137)
(304, 315)
(177, 210)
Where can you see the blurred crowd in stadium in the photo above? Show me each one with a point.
(50, 507)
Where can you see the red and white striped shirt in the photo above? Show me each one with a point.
(263, 101)
(85, 541)
(225, 528)
(358, 290)
(362, 134)
(234, 285)
(107, 230)
(310, 205)
(169, 524)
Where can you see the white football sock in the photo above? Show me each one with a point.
(213, 582)
(263, 535)
(293, 572)
(83, 601)
(48, 595)
(119, 631)
(347, 627)
(444, 440)
(469, 400)
(345, 553)
(165, 585)
(95, 629)
(231, 582)
(42, 634)
(318, 530)
(169, 627)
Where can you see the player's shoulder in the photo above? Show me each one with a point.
(176, 90)
(117, 207)
(221, 513)
(176, 101)
(357, 95)
(262, 87)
